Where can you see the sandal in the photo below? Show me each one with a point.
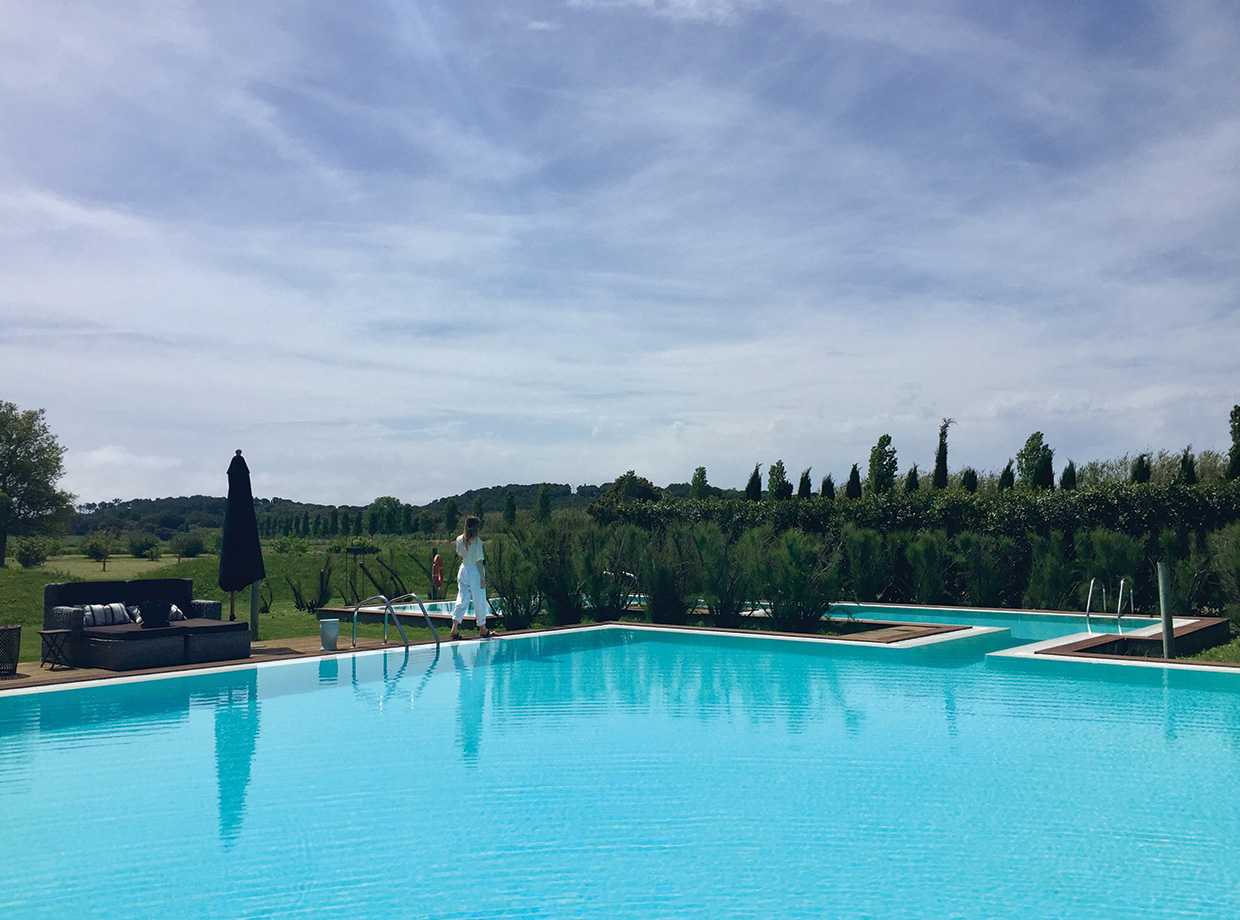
(484, 633)
(455, 634)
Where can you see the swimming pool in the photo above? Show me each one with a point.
(1026, 625)
(630, 773)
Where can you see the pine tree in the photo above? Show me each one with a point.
(753, 488)
(940, 456)
(804, 489)
(828, 487)
(853, 489)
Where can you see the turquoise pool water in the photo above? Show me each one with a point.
(1026, 625)
(632, 774)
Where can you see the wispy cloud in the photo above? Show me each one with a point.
(426, 247)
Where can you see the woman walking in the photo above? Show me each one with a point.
(471, 580)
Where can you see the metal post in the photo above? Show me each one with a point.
(1164, 602)
(254, 611)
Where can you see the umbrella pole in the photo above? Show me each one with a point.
(232, 605)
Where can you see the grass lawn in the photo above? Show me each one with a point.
(1221, 653)
(21, 597)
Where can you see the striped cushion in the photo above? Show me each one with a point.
(104, 615)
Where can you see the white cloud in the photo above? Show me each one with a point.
(422, 250)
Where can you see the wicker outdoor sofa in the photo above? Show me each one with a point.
(125, 645)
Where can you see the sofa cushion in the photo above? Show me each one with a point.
(104, 615)
(130, 632)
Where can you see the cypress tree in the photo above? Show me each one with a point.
(804, 489)
(510, 509)
(1233, 456)
(940, 456)
(542, 506)
(1188, 467)
(753, 488)
(333, 523)
(853, 489)
(1007, 478)
(911, 482)
(1044, 474)
(1141, 470)
(1067, 481)
(828, 487)
(968, 479)
(451, 515)
(478, 512)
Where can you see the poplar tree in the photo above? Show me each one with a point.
(882, 466)
(510, 509)
(698, 488)
(778, 487)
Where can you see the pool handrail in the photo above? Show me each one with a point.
(387, 609)
(1119, 610)
(426, 616)
(1088, 599)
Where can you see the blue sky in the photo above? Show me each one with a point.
(413, 248)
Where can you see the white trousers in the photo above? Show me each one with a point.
(469, 587)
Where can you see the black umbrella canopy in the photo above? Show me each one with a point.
(241, 558)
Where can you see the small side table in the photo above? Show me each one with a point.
(54, 652)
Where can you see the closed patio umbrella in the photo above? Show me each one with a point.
(241, 557)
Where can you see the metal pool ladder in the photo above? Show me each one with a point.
(1089, 600)
(388, 611)
(1119, 610)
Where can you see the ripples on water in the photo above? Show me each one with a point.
(614, 774)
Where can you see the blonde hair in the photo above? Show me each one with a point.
(472, 526)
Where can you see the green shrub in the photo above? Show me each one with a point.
(187, 545)
(1225, 560)
(669, 576)
(143, 546)
(929, 559)
(865, 570)
(727, 567)
(557, 573)
(802, 579)
(1054, 577)
(30, 552)
(608, 557)
(296, 546)
(512, 580)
